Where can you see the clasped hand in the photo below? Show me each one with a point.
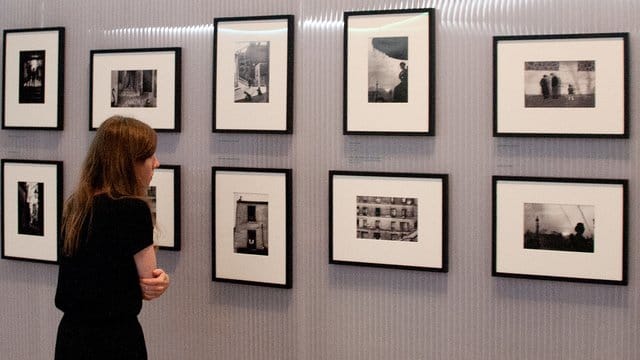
(154, 286)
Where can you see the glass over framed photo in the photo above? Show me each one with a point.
(394, 220)
(253, 74)
(560, 229)
(389, 72)
(163, 195)
(140, 83)
(252, 226)
(31, 209)
(33, 79)
(572, 85)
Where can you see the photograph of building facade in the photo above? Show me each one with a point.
(250, 233)
(387, 218)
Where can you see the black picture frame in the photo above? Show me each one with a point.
(390, 220)
(245, 99)
(380, 95)
(144, 83)
(33, 79)
(547, 85)
(165, 202)
(252, 226)
(545, 228)
(31, 209)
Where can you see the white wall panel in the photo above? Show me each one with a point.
(337, 311)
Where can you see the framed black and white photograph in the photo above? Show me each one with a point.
(31, 209)
(560, 229)
(252, 226)
(389, 72)
(572, 85)
(140, 83)
(253, 74)
(395, 220)
(33, 79)
(164, 199)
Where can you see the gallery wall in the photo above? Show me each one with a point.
(338, 311)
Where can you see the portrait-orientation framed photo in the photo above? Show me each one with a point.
(394, 220)
(31, 209)
(389, 72)
(253, 74)
(560, 229)
(33, 79)
(164, 199)
(141, 83)
(574, 85)
(252, 226)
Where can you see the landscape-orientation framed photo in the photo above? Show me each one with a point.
(33, 79)
(573, 85)
(560, 229)
(253, 74)
(31, 209)
(164, 199)
(252, 226)
(394, 220)
(141, 83)
(389, 72)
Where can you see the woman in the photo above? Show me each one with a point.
(108, 263)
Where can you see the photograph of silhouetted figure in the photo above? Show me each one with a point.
(559, 84)
(559, 227)
(388, 70)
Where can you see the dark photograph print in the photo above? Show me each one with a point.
(152, 200)
(251, 228)
(31, 77)
(388, 69)
(560, 84)
(30, 208)
(559, 227)
(387, 218)
(134, 88)
(251, 78)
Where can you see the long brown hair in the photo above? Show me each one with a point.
(108, 168)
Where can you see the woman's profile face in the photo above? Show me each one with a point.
(144, 169)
